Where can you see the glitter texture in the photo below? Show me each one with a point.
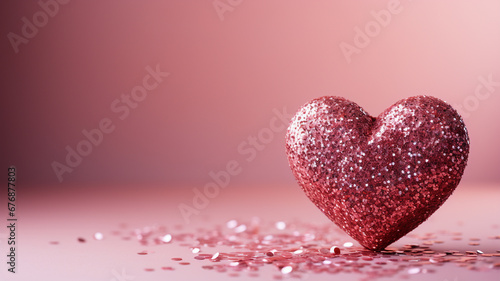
(377, 178)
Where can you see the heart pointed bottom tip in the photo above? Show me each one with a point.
(377, 178)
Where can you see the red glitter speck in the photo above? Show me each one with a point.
(335, 250)
(207, 267)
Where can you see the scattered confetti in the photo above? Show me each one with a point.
(280, 225)
(98, 236)
(348, 244)
(301, 249)
(215, 256)
(232, 224)
(414, 270)
(240, 228)
(335, 250)
(287, 269)
(167, 238)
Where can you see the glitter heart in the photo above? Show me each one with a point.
(377, 178)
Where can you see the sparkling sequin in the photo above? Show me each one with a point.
(377, 178)
(335, 250)
(280, 225)
(167, 238)
(98, 236)
(287, 269)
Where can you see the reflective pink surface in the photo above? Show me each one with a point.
(57, 236)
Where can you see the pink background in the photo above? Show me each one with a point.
(227, 76)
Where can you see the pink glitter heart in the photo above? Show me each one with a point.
(377, 178)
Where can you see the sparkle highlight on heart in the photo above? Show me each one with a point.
(377, 178)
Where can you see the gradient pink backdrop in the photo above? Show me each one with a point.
(226, 78)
